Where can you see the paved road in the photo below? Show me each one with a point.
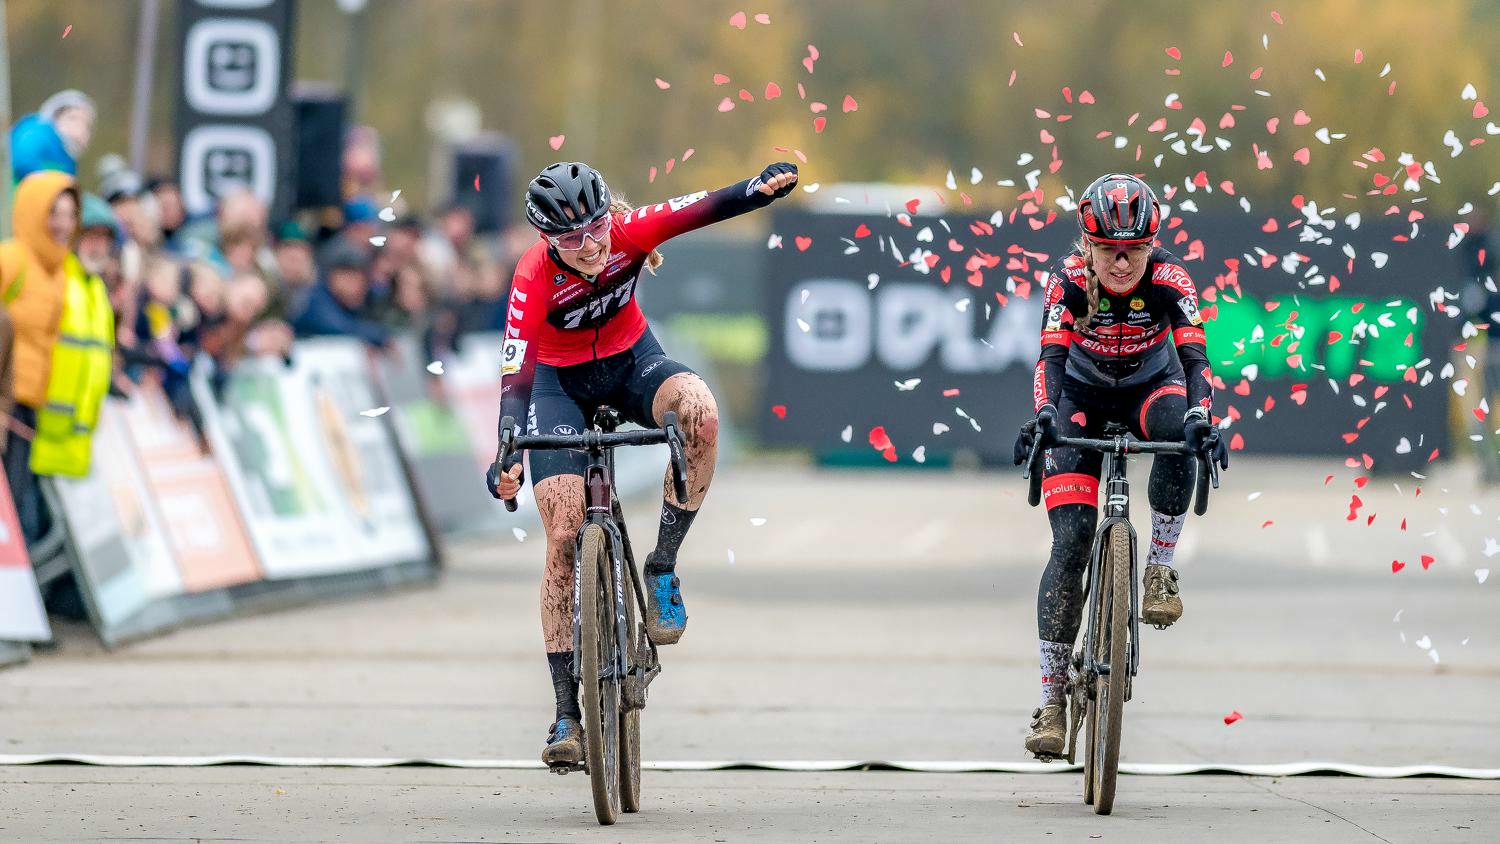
(871, 616)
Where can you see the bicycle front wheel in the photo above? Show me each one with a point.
(630, 718)
(1112, 642)
(599, 685)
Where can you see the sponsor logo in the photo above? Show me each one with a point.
(1103, 303)
(600, 307)
(564, 430)
(648, 370)
(666, 516)
(559, 279)
(1137, 304)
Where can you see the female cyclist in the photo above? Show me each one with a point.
(1106, 357)
(575, 339)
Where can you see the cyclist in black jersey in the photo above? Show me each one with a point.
(1116, 308)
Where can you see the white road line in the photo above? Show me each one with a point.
(1288, 769)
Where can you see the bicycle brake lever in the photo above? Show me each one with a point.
(679, 459)
(503, 454)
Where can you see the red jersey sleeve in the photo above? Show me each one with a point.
(526, 311)
(652, 225)
(1187, 331)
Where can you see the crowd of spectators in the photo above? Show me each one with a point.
(209, 290)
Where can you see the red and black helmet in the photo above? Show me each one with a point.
(1119, 209)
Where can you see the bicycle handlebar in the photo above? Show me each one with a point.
(596, 440)
(1208, 470)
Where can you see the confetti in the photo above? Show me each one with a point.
(851, 105)
(1232, 717)
(519, 534)
(436, 367)
(847, 435)
(1481, 575)
(920, 455)
(374, 412)
(476, 184)
(556, 141)
(66, 30)
(378, 240)
(662, 83)
(779, 410)
(757, 521)
(938, 429)
(908, 385)
(737, 20)
(731, 555)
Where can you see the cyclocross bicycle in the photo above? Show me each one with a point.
(1096, 692)
(614, 660)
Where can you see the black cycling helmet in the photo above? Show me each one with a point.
(1119, 209)
(566, 196)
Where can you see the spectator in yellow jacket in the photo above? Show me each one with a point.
(32, 284)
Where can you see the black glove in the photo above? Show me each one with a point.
(772, 172)
(492, 480)
(1202, 436)
(1045, 425)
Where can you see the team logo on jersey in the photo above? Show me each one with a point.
(1189, 306)
(1103, 303)
(512, 355)
(1137, 304)
(559, 279)
(681, 202)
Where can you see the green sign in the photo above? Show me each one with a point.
(1382, 353)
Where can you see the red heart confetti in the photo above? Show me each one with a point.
(1232, 717)
(476, 184)
(803, 243)
(556, 141)
(862, 231)
(1480, 110)
(1228, 59)
(779, 410)
(1174, 52)
(1427, 562)
(1397, 565)
(737, 20)
(726, 104)
(67, 30)
(772, 90)
(763, 18)
(850, 104)
(662, 83)
(819, 123)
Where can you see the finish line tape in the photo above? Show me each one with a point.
(1290, 769)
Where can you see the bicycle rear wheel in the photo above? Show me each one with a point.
(1113, 643)
(600, 696)
(630, 719)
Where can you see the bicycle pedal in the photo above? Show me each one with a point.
(1161, 626)
(562, 768)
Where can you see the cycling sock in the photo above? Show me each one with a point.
(1165, 531)
(674, 527)
(1054, 671)
(563, 687)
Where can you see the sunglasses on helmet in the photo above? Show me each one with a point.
(574, 240)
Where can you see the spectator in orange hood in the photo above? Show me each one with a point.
(32, 280)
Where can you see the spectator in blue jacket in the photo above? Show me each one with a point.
(54, 136)
(339, 304)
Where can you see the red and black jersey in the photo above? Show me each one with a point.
(558, 317)
(1129, 341)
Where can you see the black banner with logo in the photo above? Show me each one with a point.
(234, 120)
(929, 328)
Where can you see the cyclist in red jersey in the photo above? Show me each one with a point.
(1115, 309)
(575, 338)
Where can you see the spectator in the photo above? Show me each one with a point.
(32, 285)
(170, 211)
(121, 188)
(99, 240)
(361, 222)
(82, 370)
(235, 333)
(54, 136)
(296, 272)
(7, 377)
(340, 304)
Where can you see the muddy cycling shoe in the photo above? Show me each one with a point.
(1161, 605)
(564, 743)
(666, 615)
(1049, 731)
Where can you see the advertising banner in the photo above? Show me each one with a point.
(318, 483)
(433, 437)
(21, 615)
(203, 525)
(233, 118)
(928, 328)
(120, 548)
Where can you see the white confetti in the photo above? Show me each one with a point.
(1398, 615)
(1434, 654)
(1253, 496)
(388, 214)
(812, 188)
(1469, 93)
(1481, 575)
(436, 367)
(519, 534)
(1424, 643)
(1491, 547)
(731, 555)
(871, 280)
(938, 429)
(908, 385)
(395, 195)
(773, 242)
(374, 412)
(757, 521)
(1403, 447)
(847, 435)
(920, 455)
(802, 324)
(377, 240)
(805, 293)
(1379, 259)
